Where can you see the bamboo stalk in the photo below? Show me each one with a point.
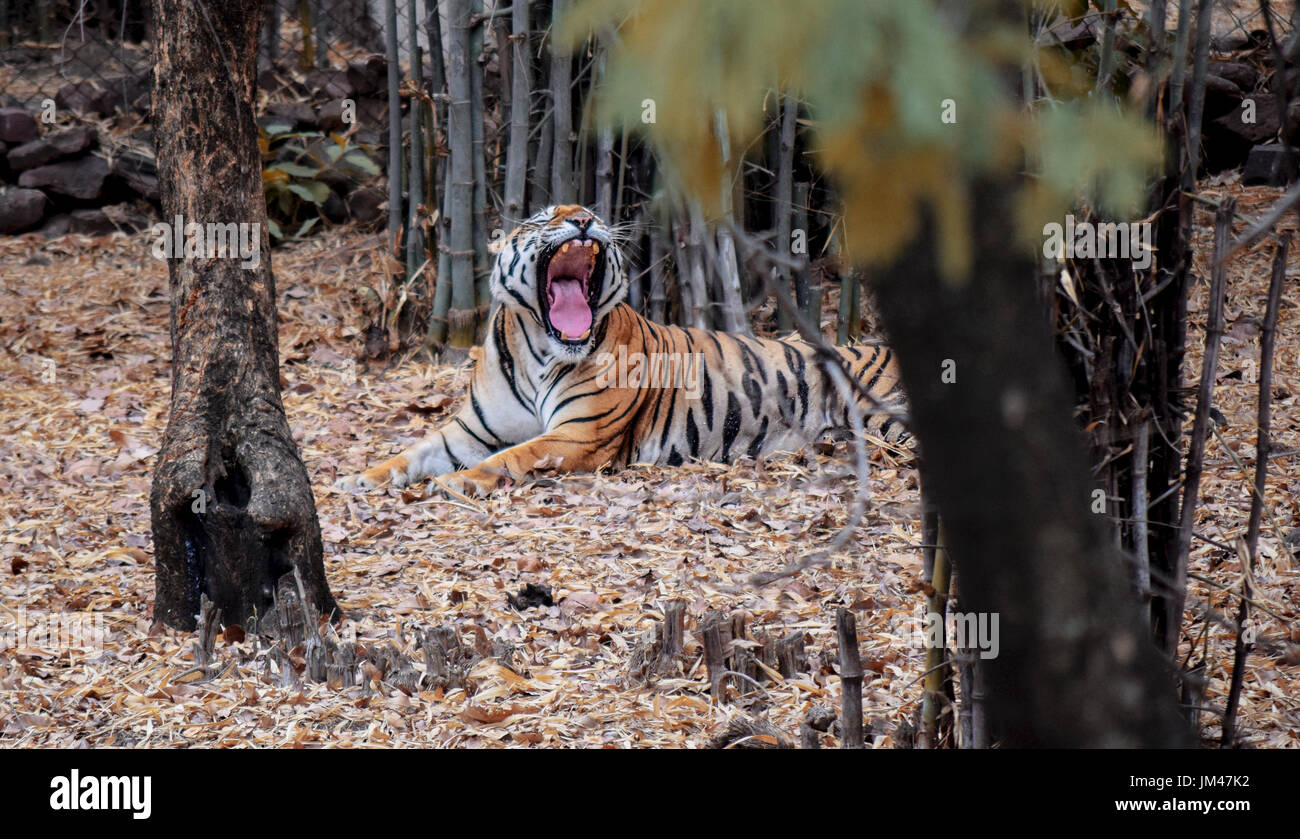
(272, 32)
(562, 191)
(318, 15)
(935, 655)
(658, 275)
(846, 629)
(848, 294)
(622, 170)
(803, 275)
(462, 312)
(521, 89)
(1106, 61)
(782, 207)
(439, 193)
(394, 127)
(1139, 512)
(307, 59)
(1200, 426)
(1178, 74)
(1196, 103)
(415, 253)
(482, 259)
(734, 318)
(1263, 447)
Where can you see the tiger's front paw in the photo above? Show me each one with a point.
(474, 483)
(390, 473)
(356, 484)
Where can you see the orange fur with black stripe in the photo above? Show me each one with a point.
(573, 379)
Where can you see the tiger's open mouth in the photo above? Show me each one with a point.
(568, 296)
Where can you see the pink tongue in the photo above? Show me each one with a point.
(570, 313)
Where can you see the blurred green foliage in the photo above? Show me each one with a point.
(875, 77)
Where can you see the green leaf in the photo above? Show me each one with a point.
(313, 191)
(275, 129)
(306, 225)
(362, 162)
(296, 170)
(273, 228)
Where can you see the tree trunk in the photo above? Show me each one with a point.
(520, 99)
(1076, 666)
(232, 507)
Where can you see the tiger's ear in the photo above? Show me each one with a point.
(495, 246)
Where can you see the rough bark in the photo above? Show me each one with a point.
(232, 507)
(1009, 473)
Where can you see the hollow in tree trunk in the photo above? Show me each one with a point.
(231, 505)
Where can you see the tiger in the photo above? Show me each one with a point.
(553, 385)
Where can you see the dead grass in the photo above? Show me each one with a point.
(74, 486)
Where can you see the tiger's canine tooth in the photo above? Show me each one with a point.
(595, 248)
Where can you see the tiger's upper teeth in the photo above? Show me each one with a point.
(565, 248)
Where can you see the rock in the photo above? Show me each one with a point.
(87, 97)
(367, 205)
(91, 222)
(139, 173)
(17, 126)
(368, 76)
(1264, 165)
(127, 218)
(20, 208)
(81, 178)
(1244, 76)
(368, 112)
(334, 208)
(1221, 96)
(55, 146)
(1266, 123)
(331, 116)
(56, 226)
(331, 84)
(301, 114)
(1236, 41)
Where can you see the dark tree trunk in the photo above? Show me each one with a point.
(231, 505)
(1076, 665)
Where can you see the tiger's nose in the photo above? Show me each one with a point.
(582, 221)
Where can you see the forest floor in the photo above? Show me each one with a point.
(84, 361)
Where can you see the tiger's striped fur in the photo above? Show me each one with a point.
(540, 396)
